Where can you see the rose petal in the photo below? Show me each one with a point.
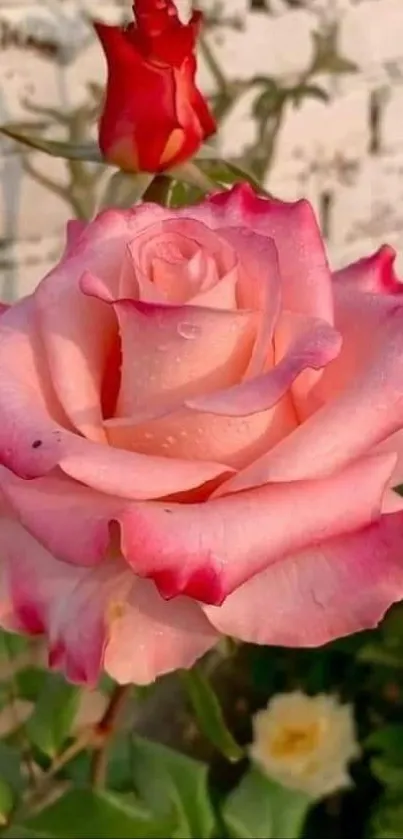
(123, 130)
(305, 274)
(197, 436)
(34, 435)
(64, 601)
(74, 229)
(357, 403)
(68, 519)
(259, 287)
(24, 370)
(171, 352)
(136, 476)
(182, 280)
(151, 636)
(207, 550)
(329, 590)
(222, 295)
(374, 274)
(170, 250)
(32, 444)
(78, 331)
(84, 612)
(314, 348)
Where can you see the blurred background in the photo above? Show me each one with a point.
(308, 94)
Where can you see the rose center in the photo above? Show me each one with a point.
(295, 741)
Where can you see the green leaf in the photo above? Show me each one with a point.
(263, 809)
(11, 780)
(16, 831)
(6, 801)
(10, 767)
(85, 814)
(389, 741)
(182, 194)
(209, 714)
(376, 654)
(387, 819)
(53, 715)
(12, 645)
(192, 174)
(227, 173)
(388, 773)
(125, 189)
(30, 683)
(166, 779)
(56, 148)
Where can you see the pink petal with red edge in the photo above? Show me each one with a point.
(65, 602)
(88, 614)
(329, 590)
(207, 550)
(171, 352)
(74, 229)
(68, 519)
(149, 636)
(375, 274)
(305, 274)
(319, 345)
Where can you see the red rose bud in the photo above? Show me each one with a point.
(154, 116)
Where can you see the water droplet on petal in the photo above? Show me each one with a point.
(189, 330)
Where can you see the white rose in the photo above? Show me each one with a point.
(305, 742)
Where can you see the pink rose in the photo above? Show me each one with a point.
(200, 432)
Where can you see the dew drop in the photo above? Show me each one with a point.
(170, 440)
(189, 330)
(148, 435)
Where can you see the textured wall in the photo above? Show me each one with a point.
(347, 155)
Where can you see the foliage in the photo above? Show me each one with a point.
(197, 781)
